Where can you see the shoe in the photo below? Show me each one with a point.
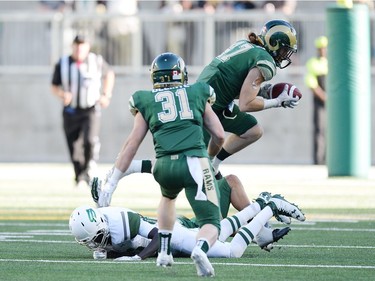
(283, 219)
(263, 199)
(281, 206)
(218, 176)
(202, 264)
(164, 259)
(267, 236)
(278, 234)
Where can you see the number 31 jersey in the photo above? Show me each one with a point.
(175, 117)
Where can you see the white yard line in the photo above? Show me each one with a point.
(213, 263)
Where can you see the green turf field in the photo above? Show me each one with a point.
(335, 243)
(45, 250)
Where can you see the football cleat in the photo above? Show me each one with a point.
(164, 259)
(218, 176)
(263, 199)
(281, 206)
(267, 236)
(202, 264)
(283, 219)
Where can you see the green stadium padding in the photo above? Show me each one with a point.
(349, 92)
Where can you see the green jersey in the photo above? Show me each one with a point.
(227, 72)
(175, 117)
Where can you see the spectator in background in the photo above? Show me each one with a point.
(183, 37)
(120, 30)
(317, 69)
(286, 7)
(84, 83)
(244, 5)
(56, 6)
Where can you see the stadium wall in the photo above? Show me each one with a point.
(31, 117)
(31, 124)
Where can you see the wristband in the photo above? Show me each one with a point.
(115, 176)
(270, 103)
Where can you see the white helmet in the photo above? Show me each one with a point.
(89, 227)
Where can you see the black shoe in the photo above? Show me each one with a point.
(265, 242)
(218, 176)
(278, 234)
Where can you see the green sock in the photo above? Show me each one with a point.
(146, 166)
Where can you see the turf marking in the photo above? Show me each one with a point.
(213, 263)
(334, 229)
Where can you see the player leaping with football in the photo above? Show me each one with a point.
(240, 73)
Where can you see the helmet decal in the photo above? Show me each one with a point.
(91, 214)
(277, 34)
(168, 70)
(280, 40)
(89, 227)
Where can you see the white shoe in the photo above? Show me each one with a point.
(284, 219)
(281, 206)
(202, 264)
(267, 236)
(164, 260)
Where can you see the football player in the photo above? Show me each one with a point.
(238, 74)
(175, 113)
(114, 231)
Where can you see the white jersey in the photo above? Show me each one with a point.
(125, 227)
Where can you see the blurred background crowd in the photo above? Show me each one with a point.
(129, 34)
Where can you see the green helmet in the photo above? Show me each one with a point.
(168, 70)
(280, 40)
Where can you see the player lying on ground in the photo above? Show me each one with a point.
(230, 189)
(117, 231)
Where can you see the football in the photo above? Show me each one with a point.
(276, 89)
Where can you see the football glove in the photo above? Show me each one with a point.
(126, 258)
(95, 185)
(290, 104)
(285, 100)
(263, 91)
(105, 195)
(102, 195)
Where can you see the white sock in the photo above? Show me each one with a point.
(215, 164)
(247, 233)
(231, 224)
(165, 237)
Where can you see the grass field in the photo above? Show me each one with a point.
(335, 243)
